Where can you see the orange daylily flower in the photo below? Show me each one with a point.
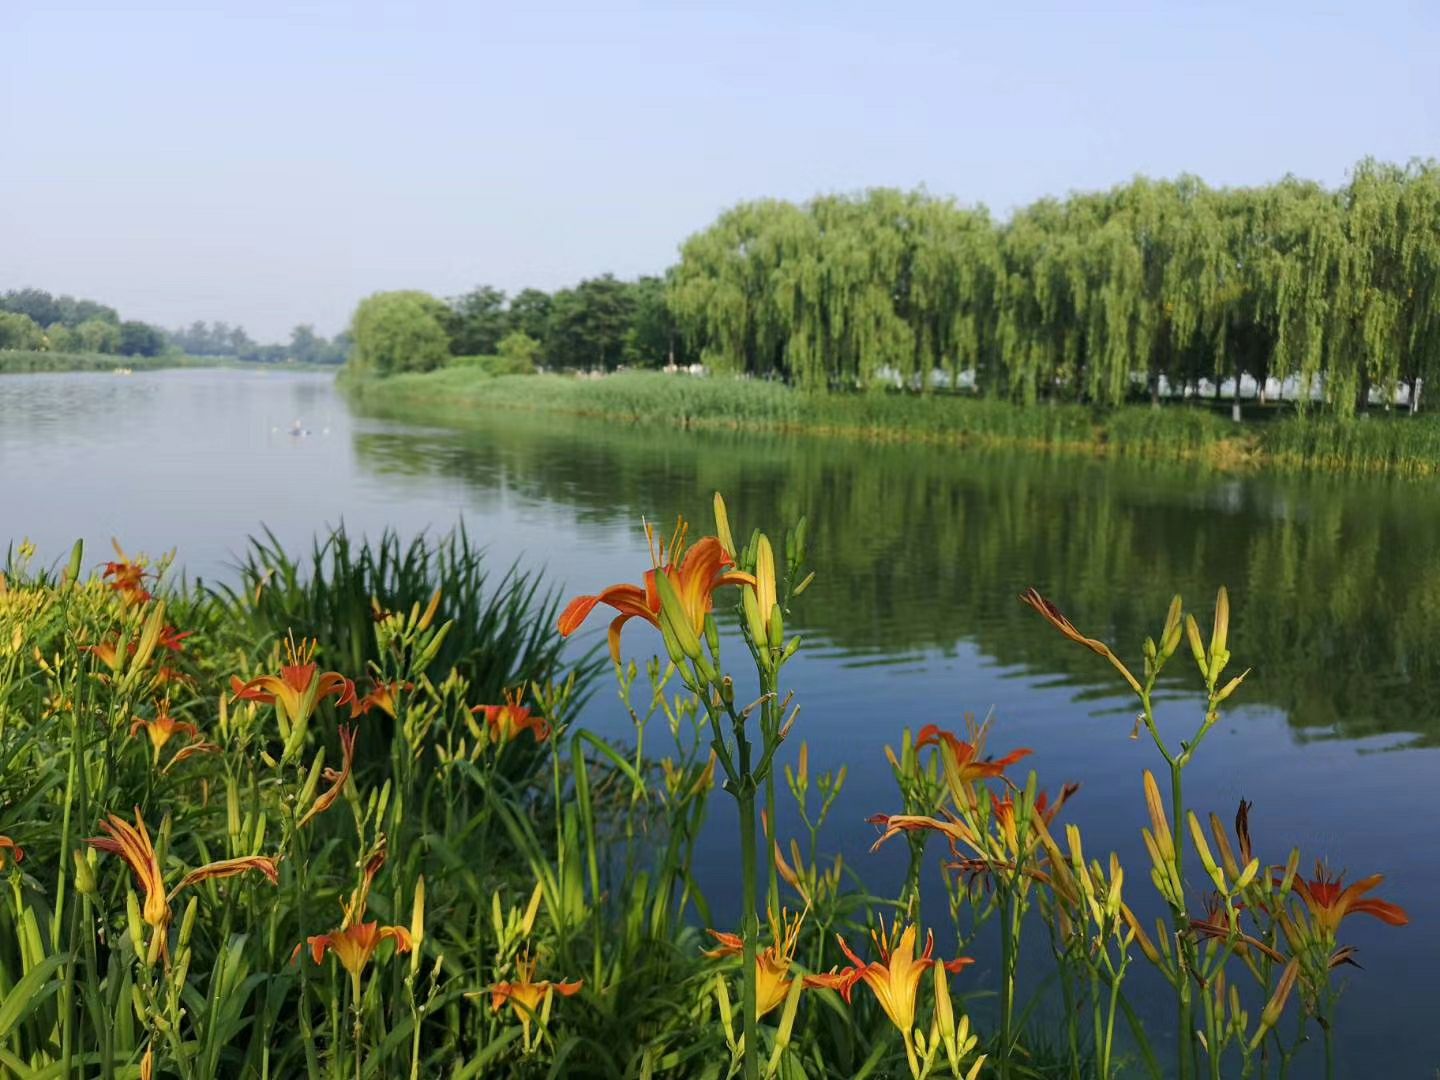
(894, 979)
(381, 697)
(132, 843)
(695, 573)
(772, 963)
(1056, 618)
(525, 996)
(299, 687)
(163, 728)
(172, 639)
(127, 577)
(1329, 900)
(507, 721)
(6, 844)
(337, 779)
(960, 763)
(355, 945)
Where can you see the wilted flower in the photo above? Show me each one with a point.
(695, 574)
(335, 778)
(1056, 618)
(132, 843)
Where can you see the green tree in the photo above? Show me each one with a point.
(477, 321)
(399, 331)
(140, 339)
(588, 324)
(529, 313)
(19, 331)
(97, 336)
(519, 351)
(653, 338)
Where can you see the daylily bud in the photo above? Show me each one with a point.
(712, 635)
(805, 584)
(84, 873)
(77, 554)
(1276, 1005)
(1221, 632)
(430, 609)
(135, 923)
(187, 923)
(1197, 647)
(417, 925)
(722, 526)
(1231, 686)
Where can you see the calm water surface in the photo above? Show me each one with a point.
(913, 618)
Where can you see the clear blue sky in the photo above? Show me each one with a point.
(270, 163)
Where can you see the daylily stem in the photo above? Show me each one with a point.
(1185, 1060)
(749, 926)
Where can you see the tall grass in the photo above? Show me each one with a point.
(1392, 442)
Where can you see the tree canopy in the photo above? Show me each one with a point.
(1094, 297)
(399, 331)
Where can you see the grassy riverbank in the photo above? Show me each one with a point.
(1379, 443)
(25, 361)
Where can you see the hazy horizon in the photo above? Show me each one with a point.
(269, 166)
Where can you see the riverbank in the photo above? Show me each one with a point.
(29, 362)
(1393, 443)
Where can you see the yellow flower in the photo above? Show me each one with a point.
(772, 964)
(894, 979)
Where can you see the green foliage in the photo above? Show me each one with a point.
(589, 324)
(518, 351)
(502, 627)
(20, 332)
(1096, 298)
(477, 321)
(399, 331)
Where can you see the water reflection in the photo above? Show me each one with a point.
(1335, 582)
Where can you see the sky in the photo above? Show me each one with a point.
(270, 163)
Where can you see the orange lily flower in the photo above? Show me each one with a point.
(695, 573)
(299, 687)
(172, 639)
(525, 996)
(960, 762)
(6, 844)
(894, 979)
(128, 577)
(337, 780)
(163, 728)
(355, 945)
(132, 843)
(381, 697)
(1329, 901)
(772, 963)
(507, 721)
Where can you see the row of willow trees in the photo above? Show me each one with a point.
(1148, 288)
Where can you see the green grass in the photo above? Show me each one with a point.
(27, 361)
(1393, 442)
(18, 361)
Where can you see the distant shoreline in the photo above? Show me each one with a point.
(1394, 443)
(27, 362)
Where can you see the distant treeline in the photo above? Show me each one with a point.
(1147, 290)
(33, 320)
(602, 322)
